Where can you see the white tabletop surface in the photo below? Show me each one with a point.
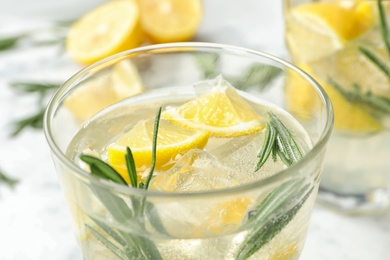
(34, 222)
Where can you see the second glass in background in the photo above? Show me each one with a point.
(345, 45)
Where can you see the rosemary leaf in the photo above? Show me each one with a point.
(117, 251)
(154, 148)
(279, 150)
(356, 95)
(260, 75)
(207, 62)
(34, 121)
(114, 204)
(154, 219)
(130, 165)
(290, 147)
(109, 231)
(30, 87)
(267, 147)
(383, 26)
(4, 179)
(103, 169)
(375, 60)
(9, 42)
(269, 227)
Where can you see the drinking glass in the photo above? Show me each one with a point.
(345, 46)
(217, 223)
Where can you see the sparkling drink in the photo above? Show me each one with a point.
(222, 171)
(345, 45)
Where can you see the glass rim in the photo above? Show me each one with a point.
(82, 174)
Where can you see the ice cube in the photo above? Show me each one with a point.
(195, 171)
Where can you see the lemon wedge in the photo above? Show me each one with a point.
(108, 29)
(170, 20)
(172, 141)
(221, 111)
(317, 29)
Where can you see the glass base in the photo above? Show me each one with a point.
(374, 202)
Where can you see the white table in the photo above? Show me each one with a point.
(34, 222)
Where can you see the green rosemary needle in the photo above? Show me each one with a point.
(4, 179)
(279, 141)
(383, 26)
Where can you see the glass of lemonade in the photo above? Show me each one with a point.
(345, 46)
(188, 151)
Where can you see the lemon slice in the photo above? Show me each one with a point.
(222, 112)
(348, 116)
(123, 81)
(108, 29)
(170, 20)
(317, 29)
(171, 142)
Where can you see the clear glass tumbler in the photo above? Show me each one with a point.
(345, 46)
(263, 216)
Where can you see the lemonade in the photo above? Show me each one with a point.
(193, 167)
(345, 45)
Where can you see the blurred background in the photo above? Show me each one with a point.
(34, 222)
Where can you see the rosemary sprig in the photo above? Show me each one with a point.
(368, 98)
(35, 121)
(126, 246)
(383, 26)
(375, 60)
(208, 63)
(10, 42)
(10, 182)
(257, 75)
(279, 141)
(270, 216)
(7, 43)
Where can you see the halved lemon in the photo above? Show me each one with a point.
(108, 29)
(170, 20)
(222, 112)
(172, 141)
(317, 29)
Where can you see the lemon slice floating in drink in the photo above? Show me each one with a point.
(172, 141)
(110, 28)
(320, 28)
(222, 112)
